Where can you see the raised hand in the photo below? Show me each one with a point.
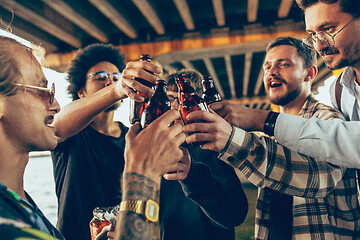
(155, 150)
(127, 84)
(210, 128)
(240, 116)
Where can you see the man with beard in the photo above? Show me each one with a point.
(89, 161)
(299, 197)
(334, 31)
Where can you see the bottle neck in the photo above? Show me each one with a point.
(208, 85)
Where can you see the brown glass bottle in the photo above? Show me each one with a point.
(158, 104)
(210, 94)
(189, 100)
(137, 108)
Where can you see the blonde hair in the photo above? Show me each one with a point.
(10, 51)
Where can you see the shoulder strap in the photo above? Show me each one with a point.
(338, 91)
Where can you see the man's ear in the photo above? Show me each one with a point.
(82, 93)
(311, 73)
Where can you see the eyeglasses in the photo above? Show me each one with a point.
(324, 37)
(102, 76)
(50, 92)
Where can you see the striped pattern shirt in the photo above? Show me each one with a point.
(325, 202)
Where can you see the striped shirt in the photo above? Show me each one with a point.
(325, 203)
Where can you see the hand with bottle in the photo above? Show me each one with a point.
(208, 127)
(154, 151)
(131, 87)
(248, 119)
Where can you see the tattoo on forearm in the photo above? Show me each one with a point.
(131, 225)
(136, 186)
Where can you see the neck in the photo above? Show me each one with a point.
(294, 107)
(12, 169)
(104, 123)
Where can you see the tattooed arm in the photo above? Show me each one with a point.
(133, 225)
(148, 155)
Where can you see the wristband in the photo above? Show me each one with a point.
(269, 125)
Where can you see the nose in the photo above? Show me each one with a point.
(55, 107)
(320, 46)
(272, 71)
(109, 80)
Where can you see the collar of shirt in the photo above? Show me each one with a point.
(348, 79)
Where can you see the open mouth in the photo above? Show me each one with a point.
(49, 120)
(275, 84)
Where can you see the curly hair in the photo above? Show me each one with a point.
(193, 76)
(85, 59)
(347, 6)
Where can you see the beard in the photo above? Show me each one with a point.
(349, 57)
(289, 97)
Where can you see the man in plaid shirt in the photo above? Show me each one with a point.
(299, 197)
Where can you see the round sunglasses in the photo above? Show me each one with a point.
(103, 76)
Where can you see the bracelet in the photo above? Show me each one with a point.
(269, 124)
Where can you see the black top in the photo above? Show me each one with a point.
(87, 172)
(213, 189)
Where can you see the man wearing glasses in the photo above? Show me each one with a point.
(89, 160)
(334, 31)
(27, 110)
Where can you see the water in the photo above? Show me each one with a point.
(39, 183)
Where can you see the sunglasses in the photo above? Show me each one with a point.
(102, 76)
(50, 92)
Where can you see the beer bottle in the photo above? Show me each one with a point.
(137, 108)
(189, 100)
(158, 104)
(210, 94)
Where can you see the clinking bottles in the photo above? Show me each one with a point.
(189, 100)
(210, 94)
(158, 104)
(137, 108)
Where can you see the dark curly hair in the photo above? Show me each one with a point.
(347, 6)
(85, 59)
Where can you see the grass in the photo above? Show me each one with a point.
(246, 230)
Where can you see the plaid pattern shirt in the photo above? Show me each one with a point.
(325, 202)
